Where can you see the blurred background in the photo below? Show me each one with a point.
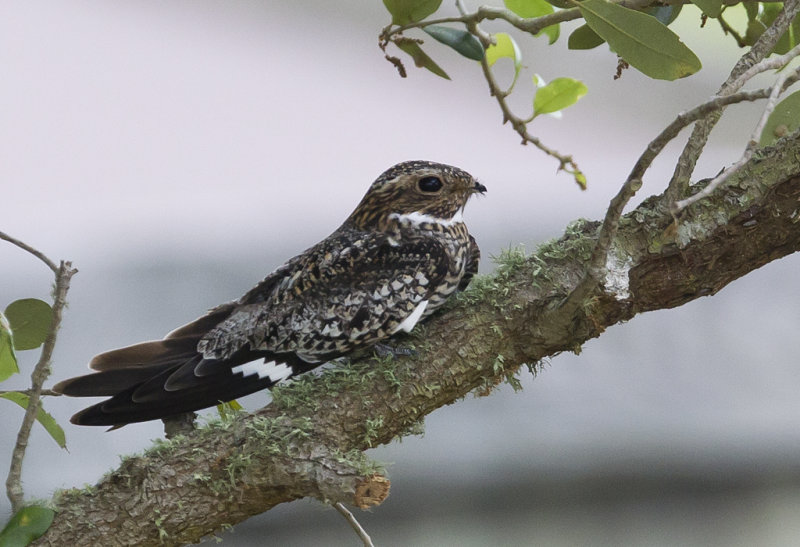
(178, 151)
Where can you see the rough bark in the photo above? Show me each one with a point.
(310, 440)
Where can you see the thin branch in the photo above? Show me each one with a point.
(596, 268)
(531, 26)
(362, 534)
(679, 183)
(31, 250)
(223, 475)
(565, 162)
(751, 147)
(40, 373)
(28, 392)
(772, 63)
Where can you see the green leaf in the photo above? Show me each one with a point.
(410, 11)
(505, 47)
(460, 40)
(529, 9)
(584, 37)
(580, 178)
(557, 95)
(26, 525)
(712, 8)
(751, 8)
(789, 39)
(421, 58)
(8, 361)
(47, 421)
(552, 32)
(30, 320)
(665, 14)
(227, 410)
(754, 30)
(760, 19)
(785, 119)
(563, 4)
(640, 40)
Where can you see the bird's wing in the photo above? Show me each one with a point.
(473, 261)
(335, 298)
(331, 300)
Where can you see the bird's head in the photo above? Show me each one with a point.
(422, 188)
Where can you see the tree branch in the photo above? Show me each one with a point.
(359, 530)
(679, 182)
(25, 247)
(309, 441)
(41, 371)
(752, 144)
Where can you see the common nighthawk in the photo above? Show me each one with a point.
(394, 261)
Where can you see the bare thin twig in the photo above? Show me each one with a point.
(751, 147)
(28, 392)
(565, 162)
(520, 126)
(679, 183)
(771, 63)
(531, 26)
(31, 250)
(632, 184)
(41, 371)
(362, 534)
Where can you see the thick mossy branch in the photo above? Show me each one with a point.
(310, 441)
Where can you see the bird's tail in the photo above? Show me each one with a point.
(166, 377)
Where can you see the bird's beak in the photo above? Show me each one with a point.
(478, 188)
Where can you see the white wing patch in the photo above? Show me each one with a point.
(275, 371)
(411, 321)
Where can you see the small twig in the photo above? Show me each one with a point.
(751, 147)
(31, 250)
(484, 37)
(771, 63)
(532, 26)
(608, 230)
(362, 534)
(28, 392)
(565, 161)
(41, 371)
(519, 125)
(679, 183)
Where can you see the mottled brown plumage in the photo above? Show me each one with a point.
(395, 260)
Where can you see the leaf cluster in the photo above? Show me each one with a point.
(25, 325)
(638, 33)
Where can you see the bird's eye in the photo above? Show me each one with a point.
(430, 184)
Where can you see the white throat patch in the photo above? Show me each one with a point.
(416, 218)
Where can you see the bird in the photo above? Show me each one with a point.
(394, 261)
